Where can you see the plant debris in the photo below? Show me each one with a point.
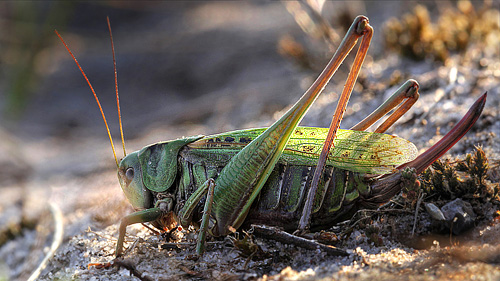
(466, 179)
(457, 28)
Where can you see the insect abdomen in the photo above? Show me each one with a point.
(282, 198)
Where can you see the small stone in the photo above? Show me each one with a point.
(459, 215)
(434, 212)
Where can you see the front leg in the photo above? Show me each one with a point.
(136, 217)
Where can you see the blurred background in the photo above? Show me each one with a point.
(202, 68)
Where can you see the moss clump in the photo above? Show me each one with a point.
(457, 28)
(466, 179)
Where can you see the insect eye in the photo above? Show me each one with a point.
(129, 173)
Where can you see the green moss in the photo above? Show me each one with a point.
(457, 28)
(461, 179)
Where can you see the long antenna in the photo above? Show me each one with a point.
(116, 87)
(95, 96)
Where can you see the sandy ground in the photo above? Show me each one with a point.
(202, 68)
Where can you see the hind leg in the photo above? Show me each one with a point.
(408, 91)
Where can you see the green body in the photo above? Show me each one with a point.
(151, 172)
(357, 156)
(263, 175)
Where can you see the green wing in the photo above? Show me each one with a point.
(356, 151)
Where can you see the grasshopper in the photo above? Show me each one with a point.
(296, 178)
